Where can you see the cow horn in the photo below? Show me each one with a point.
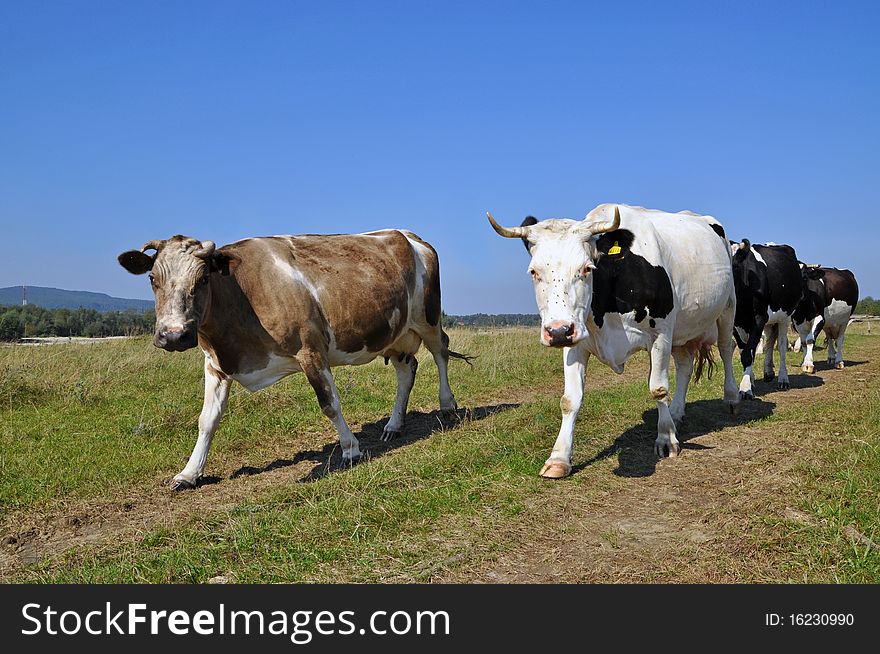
(609, 226)
(205, 251)
(151, 245)
(507, 232)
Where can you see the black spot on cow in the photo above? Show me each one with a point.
(815, 297)
(528, 220)
(624, 282)
(718, 229)
(652, 322)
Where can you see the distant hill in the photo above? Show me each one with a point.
(57, 298)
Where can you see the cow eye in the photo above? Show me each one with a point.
(534, 273)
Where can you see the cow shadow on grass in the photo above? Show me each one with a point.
(796, 381)
(418, 425)
(824, 365)
(635, 446)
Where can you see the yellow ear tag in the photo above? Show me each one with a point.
(614, 249)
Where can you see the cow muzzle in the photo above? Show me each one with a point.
(176, 341)
(559, 333)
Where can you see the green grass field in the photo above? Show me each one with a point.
(91, 434)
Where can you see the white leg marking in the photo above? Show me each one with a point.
(574, 360)
(666, 443)
(684, 369)
(745, 386)
(406, 376)
(725, 348)
(350, 449)
(216, 395)
(838, 361)
(783, 351)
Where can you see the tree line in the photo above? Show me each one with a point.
(492, 320)
(17, 322)
(869, 306)
(25, 321)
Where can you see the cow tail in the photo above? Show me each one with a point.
(706, 361)
(455, 355)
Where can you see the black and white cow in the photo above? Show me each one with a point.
(768, 290)
(830, 298)
(627, 279)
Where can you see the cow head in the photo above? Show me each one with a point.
(180, 272)
(564, 256)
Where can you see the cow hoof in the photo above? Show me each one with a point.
(746, 395)
(784, 385)
(449, 408)
(182, 484)
(555, 469)
(840, 365)
(769, 376)
(809, 369)
(391, 434)
(351, 461)
(733, 407)
(664, 450)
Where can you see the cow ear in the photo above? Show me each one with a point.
(527, 222)
(135, 262)
(745, 245)
(223, 263)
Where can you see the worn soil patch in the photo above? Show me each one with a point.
(693, 519)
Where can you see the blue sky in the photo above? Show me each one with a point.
(125, 122)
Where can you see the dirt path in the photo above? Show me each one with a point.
(692, 519)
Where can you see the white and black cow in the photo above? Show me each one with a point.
(627, 279)
(830, 298)
(768, 290)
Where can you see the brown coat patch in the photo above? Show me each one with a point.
(288, 293)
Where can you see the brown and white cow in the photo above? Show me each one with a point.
(263, 308)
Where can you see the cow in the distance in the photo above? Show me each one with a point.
(768, 290)
(627, 279)
(830, 299)
(263, 308)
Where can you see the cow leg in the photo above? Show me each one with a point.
(830, 342)
(405, 365)
(437, 343)
(770, 339)
(684, 369)
(838, 361)
(318, 373)
(782, 330)
(574, 360)
(216, 393)
(805, 337)
(666, 443)
(725, 349)
(747, 358)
